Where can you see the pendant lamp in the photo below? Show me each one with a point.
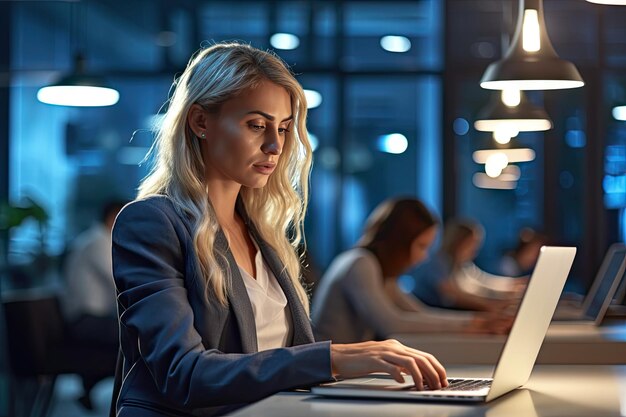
(508, 113)
(531, 63)
(79, 89)
(609, 2)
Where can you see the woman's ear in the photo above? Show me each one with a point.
(198, 120)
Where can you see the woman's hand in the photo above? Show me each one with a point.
(389, 356)
(491, 323)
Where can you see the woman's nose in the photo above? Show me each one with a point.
(272, 144)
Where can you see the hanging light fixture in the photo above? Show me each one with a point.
(531, 63)
(609, 2)
(508, 113)
(78, 88)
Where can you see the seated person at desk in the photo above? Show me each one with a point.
(450, 279)
(358, 298)
(212, 311)
(522, 259)
(88, 302)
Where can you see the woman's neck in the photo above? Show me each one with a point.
(223, 197)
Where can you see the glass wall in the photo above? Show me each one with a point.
(71, 160)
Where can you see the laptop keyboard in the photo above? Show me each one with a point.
(464, 384)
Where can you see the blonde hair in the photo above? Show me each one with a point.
(213, 76)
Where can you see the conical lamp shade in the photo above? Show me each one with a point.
(531, 63)
(524, 117)
(609, 2)
(79, 89)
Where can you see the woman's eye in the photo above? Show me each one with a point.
(257, 127)
(283, 130)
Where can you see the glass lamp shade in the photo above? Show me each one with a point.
(525, 117)
(79, 89)
(531, 65)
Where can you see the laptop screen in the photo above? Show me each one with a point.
(606, 285)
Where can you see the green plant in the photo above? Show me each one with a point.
(12, 216)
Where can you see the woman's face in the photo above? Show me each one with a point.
(468, 249)
(245, 138)
(420, 245)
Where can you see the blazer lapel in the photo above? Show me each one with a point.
(238, 298)
(302, 332)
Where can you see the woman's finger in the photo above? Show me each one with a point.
(437, 366)
(408, 363)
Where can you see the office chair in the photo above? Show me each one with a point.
(40, 349)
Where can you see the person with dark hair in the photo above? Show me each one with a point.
(521, 260)
(451, 279)
(358, 299)
(88, 301)
(213, 314)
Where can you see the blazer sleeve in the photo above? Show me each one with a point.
(148, 264)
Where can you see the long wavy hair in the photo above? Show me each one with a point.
(213, 76)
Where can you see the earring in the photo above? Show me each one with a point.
(203, 135)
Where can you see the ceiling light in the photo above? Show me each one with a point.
(512, 155)
(79, 89)
(609, 2)
(510, 173)
(619, 113)
(314, 141)
(395, 43)
(531, 63)
(504, 135)
(285, 41)
(482, 180)
(523, 117)
(495, 163)
(395, 143)
(313, 99)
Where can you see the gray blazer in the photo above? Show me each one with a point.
(185, 353)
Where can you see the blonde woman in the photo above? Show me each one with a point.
(211, 309)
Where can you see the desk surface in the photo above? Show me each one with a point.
(564, 344)
(553, 390)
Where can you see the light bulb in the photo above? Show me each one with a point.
(511, 97)
(531, 41)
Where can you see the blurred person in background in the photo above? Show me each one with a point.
(358, 297)
(522, 259)
(451, 279)
(89, 300)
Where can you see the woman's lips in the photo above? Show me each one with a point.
(265, 167)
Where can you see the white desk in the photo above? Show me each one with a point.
(553, 390)
(564, 344)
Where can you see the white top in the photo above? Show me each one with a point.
(90, 288)
(474, 280)
(269, 305)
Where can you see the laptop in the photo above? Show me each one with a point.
(601, 293)
(516, 359)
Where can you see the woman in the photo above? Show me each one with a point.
(521, 260)
(211, 309)
(358, 298)
(451, 279)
